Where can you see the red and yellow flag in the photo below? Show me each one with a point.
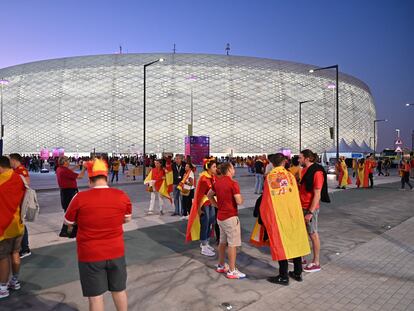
(169, 177)
(343, 178)
(194, 225)
(282, 216)
(12, 191)
(160, 185)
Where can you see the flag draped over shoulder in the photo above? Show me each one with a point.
(344, 178)
(194, 225)
(169, 177)
(160, 184)
(282, 216)
(11, 195)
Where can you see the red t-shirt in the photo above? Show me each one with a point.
(21, 170)
(225, 189)
(305, 196)
(99, 213)
(66, 178)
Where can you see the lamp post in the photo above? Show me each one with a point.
(375, 140)
(2, 83)
(144, 113)
(300, 122)
(336, 67)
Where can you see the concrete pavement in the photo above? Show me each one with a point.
(358, 250)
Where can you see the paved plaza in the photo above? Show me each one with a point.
(367, 258)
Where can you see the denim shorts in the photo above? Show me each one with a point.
(312, 226)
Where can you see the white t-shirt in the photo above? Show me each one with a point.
(188, 187)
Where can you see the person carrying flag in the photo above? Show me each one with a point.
(202, 215)
(12, 190)
(157, 184)
(362, 180)
(282, 218)
(343, 179)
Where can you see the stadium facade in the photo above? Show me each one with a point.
(246, 105)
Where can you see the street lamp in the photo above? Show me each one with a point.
(300, 122)
(336, 67)
(2, 83)
(375, 123)
(408, 105)
(144, 112)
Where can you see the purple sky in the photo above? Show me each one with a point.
(372, 40)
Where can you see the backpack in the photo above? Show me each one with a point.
(29, 208)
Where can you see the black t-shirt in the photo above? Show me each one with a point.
(258, 167)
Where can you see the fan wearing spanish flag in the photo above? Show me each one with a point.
(202, 215)
(157, 185)
(12, 190)
(282, 217)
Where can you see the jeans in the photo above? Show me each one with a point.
(114, 174)
(25, 241)
(258, 188)
(187, 202)
(405, 179)
(207, 220)
(177, 201)
(66, 196)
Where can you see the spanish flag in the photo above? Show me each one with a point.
(282, 216)
(169, 177)
(194, 225)
(363, 175)
(12, 190)
(344, 179)
(160, 185)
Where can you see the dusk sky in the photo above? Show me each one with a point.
(371, 40)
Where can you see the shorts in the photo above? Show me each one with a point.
(100, 276)
(230, 232)
(9, 246)
(312, 226)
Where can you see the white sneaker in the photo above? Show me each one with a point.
(14, 284)
(235, 274)
(207, 252)
(182, 218)
(150, 213)
(208, 246)
(4, 292)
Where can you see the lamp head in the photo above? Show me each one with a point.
(311, 71)
(408, 105)
(161, 60)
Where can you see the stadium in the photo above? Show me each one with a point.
(245, 105)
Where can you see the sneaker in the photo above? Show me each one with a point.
(25, 254)
(150, 213)
(222, 269)
(186, 217)
(4, 292)
(295, 276)
(14, 284)
(208, 246)
(304, 262)
(161, 213)
(278, 280)
(312, 267)
(207, 252)
(235, 274)
(182, 218)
